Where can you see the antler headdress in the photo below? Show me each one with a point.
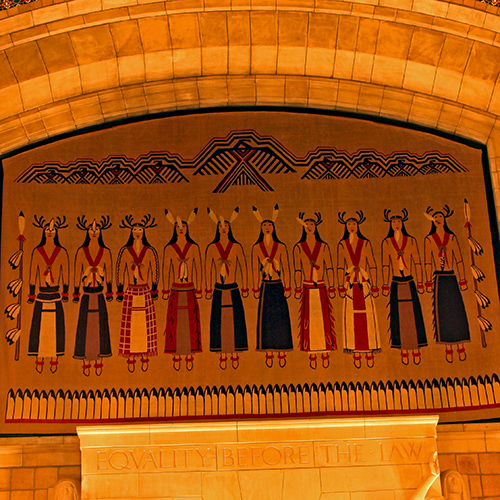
(84, 225)
(388, 218)
(58, 223)
(361, 218)
(301, 220)
(146, 222)
(261, 219)
(430, 212)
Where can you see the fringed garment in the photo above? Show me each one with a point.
(316, 331)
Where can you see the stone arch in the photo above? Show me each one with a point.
(70, 65)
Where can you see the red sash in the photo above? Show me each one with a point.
(224, 254)
(442, 245)
(137, 258)
(311, 256)
(49, 261)
(355, 258)
(181, 253)
(270, 258)
(92, 262)
(399, 250)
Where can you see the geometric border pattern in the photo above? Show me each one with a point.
(204, 402)
(242, 158)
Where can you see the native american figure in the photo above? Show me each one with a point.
(400, 256)
(357, 279)
(49, 270)
(182, 278)
(442, 257)
(93, 271)
(137, 272)
(271, 285)
(224, 260)
(312, 263)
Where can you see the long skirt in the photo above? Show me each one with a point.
(360, 320)
(183, 330)
(47, 333)
(450, 319)
(407, 326)
(138, 329)
(228, 329)
(316, 330)
(92, 331)
(274, 331)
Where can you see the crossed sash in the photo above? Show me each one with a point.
(94, 267)
(313, 257)
(443, 256)
(137, 264)
(48, 262)
(181, 254)
(224, 258)
(270, 263)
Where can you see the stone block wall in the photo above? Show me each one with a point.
(31, 467)
(474, 451)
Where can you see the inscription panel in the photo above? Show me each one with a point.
(245, 456)
(154, 458)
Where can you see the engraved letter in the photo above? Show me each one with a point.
(227, 457)
(303, 453)
(288, 451)
(345, 454)
(119, 464)
(269, 461)
(202, 456)
(101, 460)
(151, 458)
(242, 456)
(358, 453)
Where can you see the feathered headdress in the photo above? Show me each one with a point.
(177, 220)
(221, 219)
(261, 219)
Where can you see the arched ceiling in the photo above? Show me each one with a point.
(69, 65)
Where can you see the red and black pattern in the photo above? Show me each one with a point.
(126, 326)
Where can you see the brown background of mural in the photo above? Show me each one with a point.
(299, 133)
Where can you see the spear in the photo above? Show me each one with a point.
(15, 288)
(481, 300)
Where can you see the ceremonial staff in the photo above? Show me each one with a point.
(481, 300)
(15, 288)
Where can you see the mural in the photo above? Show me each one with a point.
(324, 265)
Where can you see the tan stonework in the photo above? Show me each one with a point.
(439, 58)
(256, 459)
